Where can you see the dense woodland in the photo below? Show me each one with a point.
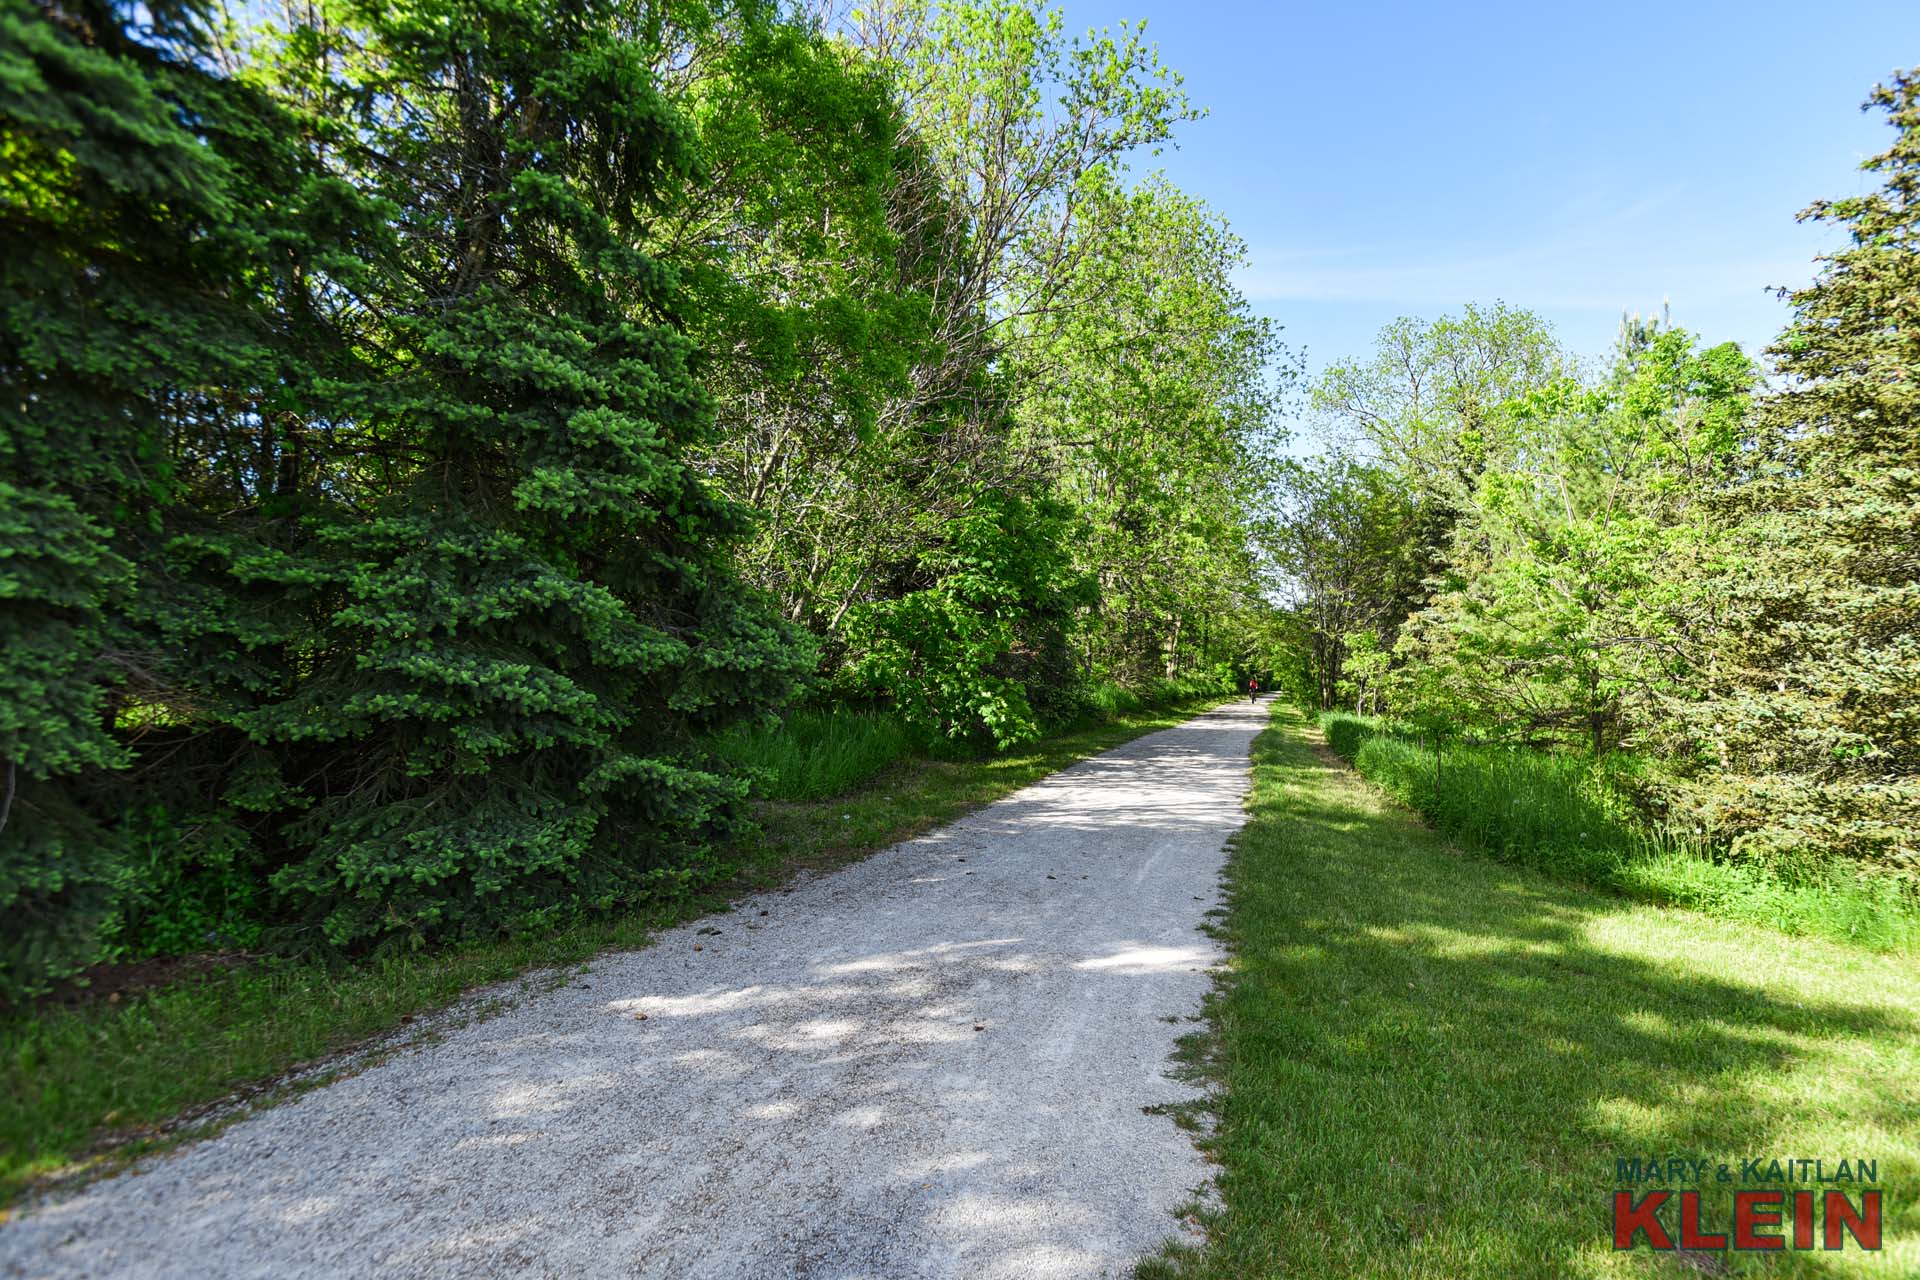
(1698, 570)
(433, 430)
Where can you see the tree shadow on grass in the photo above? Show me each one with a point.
(1433, 1061)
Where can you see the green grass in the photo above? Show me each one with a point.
(101, 1079)
(1555, 812)
(814, 754)
(1347, 733)
(84, 1087)
(1427, 1061)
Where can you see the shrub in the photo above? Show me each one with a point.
(176, 891)
(979, 653)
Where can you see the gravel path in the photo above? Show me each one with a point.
(931, 1063)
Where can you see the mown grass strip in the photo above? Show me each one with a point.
(1427, 1062)
(93, 1084)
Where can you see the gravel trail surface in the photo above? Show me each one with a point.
(933, 1063)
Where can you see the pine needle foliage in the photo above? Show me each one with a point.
(1808, 736)
(147, 349)
(351, 545)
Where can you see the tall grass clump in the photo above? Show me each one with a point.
(815, 753)
(1520, 806)
(1555, 813)
(1196, 686)
(1346, 732)
(1109, 700)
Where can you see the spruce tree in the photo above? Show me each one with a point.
(1810, 723)
(352, 566)
(138, 329)
(532, 621)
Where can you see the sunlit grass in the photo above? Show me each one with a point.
(76, 1081)
(1428, 1061)
(1549, 811)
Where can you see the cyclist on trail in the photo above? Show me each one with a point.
(1253, 689)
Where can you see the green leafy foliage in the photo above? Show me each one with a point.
(439, 424)
(176, 893)
(1556, 616)
(1800, 733)
(1345, 537)
(1158, 415)
(956, 657)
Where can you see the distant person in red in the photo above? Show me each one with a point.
(1253, 689)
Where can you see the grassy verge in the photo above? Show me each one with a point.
(816, 754)
(1552, 812)
(87, 1086)
(1429, 1062)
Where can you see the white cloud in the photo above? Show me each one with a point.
(1578, 258)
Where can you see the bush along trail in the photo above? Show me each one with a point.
(1428, 1062)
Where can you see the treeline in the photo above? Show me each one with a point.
(427, 427)
(1702, 571)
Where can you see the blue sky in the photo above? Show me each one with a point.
(1574, 158)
